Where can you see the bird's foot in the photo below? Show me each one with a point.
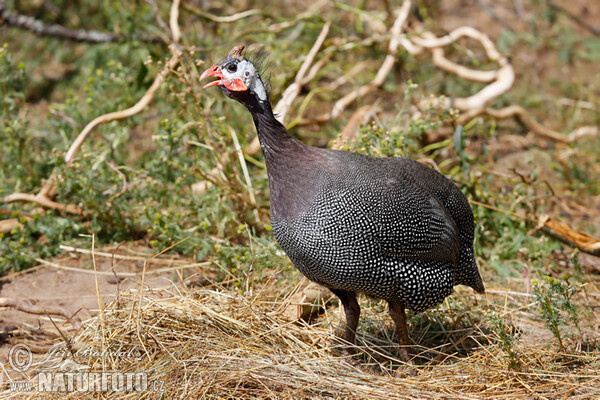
(348, 352)
(408, 368)
(405, 371)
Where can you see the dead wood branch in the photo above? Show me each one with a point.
(521, 115)
(555, 229)
(564, 233)
(127, 113)
(42, 201)
(31, 309)
(41, 28)
(43, 198)
(174, 23)
(382, 73)
(384, 70)
(7, 225)
(161, 23)
(290, 94)
(146, 98)
(595, 30)
(500, 80)
(222, 19)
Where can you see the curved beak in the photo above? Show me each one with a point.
(214, 71)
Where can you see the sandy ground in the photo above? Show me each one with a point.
(70, 285)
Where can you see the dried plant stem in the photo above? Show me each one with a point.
(556, 229)
(43, 29)
(500, 80)
(244, 167)
(222, 19)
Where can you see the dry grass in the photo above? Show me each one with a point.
(220, 343)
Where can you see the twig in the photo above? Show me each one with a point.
(146, 98)
(384, 70)
(122, 175)
(556, 229)
(122, 257)
(349, 132)
(174, 23)
(293, 90)
(222, 19)
(129, 112)
(42, 29)
(128, 274)
(31, 309)
(240, 154)
(493, 15)
(48, 190)
(503, 78)
(382, 73)
(522, 116)
(161, 23)
(42, 201)
(592, 29)
(7, 225)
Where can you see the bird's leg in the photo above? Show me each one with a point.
(352, 310)
(398, 315)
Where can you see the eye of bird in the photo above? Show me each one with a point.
(232, 68)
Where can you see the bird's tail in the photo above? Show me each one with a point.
(468, 270)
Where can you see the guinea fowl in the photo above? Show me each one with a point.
(388, 227)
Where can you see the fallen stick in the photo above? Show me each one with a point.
(521, 115)
(42, 201)
(289, 95)
(48, 191)
(129, 112)
(31, 309)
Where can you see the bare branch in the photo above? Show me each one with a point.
(384, 70)
(127, 113)
(31, 309)
(42, 29)
(7, 225)
(174, 22)
(521, 114)
(48, 190)
(293, 90)
(42, 201)
(225, 19)
(501, 80)
(158, 18)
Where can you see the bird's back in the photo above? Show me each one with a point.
(377, 225)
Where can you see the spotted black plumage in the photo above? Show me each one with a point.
(389, 227)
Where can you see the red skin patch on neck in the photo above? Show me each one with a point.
(235, 85)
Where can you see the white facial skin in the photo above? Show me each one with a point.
(247, 74)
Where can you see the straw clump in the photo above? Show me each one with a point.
(226, 344)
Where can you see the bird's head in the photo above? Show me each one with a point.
(237, 77)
